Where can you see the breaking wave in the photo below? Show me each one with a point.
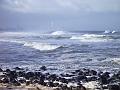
(35, 45)
(91, 38)
(108, 32)
(58, 33)
(41, 46)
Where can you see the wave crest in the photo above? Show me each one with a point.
(42, 46)
(58, 33)
(91, 38)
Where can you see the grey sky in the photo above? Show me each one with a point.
(65, 14)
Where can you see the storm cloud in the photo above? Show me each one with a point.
(56, 6)
(67, 14)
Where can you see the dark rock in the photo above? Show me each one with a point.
(43, 68)
(92, 78)
(81, 78)
(83, 88)
(21, 74)
(21, 80)
(18, 68)
(11, 74)
(93, 72)
(28, 82)
(50, 84)
(56, 84)
(52, 77)
(63, 80)
(1, 70)
(5, 80)
(7, 70)
(15, 82)
(67, 75)
(79, 72)
(64, 87)
(114, 87)
(104, 78)
(35, 81)
(41, 81)
(29, 75)
(37, 74)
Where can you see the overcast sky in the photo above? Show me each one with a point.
(60, 14)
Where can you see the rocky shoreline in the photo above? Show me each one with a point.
(81, 79)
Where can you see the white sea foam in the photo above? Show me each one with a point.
(12, 41)
(35, 45)
(106, 31)
(91, 38)
(113, 32)
(91, 85)
(116, 60)
(58, 33)
(41, 46)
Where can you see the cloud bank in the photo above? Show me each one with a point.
(56, 6)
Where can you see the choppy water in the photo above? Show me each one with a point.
(61, 51)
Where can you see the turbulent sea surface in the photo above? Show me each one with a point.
(61, 51)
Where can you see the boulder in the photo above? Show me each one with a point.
(43, 68)
(114, 87)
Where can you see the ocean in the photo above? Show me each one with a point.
(61, 51)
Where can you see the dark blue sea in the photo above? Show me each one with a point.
(61, 51)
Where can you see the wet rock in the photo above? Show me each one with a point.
(50, 84)
(29, 75)
(21, 74)
(56, 83)
(7, 70)
(15, 82)
(11, 75)
(91, 78)
(43, 68)
(63, 80)
(21, 79)
(93, 72)
(104, 78)
(37, 74)
(5, 80)
(79, 72)
(1, 70)
(52, 77)
(64, 87)
(67, 75)
(35, 81)
(82, 88)
(18, 68)
(28, 82)
(81, 78)
(41, 81)
(114, 87)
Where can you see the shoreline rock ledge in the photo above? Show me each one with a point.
(81, 79)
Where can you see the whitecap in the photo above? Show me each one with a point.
(91, 38)
(116, 60)
(113, 32)
(35, 45)
(41, 46)
(58, 33)
(106, 31)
